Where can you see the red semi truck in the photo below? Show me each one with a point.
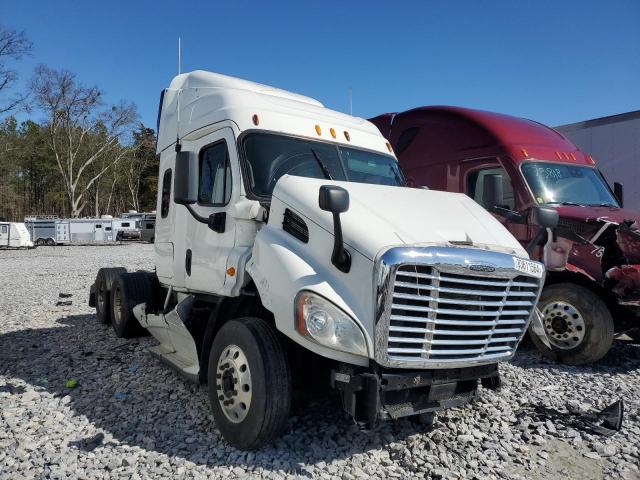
(508, 165)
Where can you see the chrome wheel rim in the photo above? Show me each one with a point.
(564, 325)
(233, 383)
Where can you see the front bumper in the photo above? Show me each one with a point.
(370, 395)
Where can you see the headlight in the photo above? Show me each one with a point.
(324, 323)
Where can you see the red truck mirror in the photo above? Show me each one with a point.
(618, 192)
(492, 191)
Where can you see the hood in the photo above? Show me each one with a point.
(381, 216)
(593, 214)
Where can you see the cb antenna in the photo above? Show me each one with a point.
(350, 101)
(179, 55)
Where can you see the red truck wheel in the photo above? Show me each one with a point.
(577, 322)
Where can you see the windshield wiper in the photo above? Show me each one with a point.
(601, 205)
(395, 174)
(323, 167)
(565, 203)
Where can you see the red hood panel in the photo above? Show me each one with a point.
(592, 214)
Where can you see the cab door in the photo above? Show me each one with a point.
(206, 250)
(472, 177)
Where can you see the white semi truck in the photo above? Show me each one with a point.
(289, 251)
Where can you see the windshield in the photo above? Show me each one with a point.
(270, 156)
(563, 184)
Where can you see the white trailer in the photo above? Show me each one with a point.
(83, 230)
(14, 235)
(289, 251)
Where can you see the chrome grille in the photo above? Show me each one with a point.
(446, 314)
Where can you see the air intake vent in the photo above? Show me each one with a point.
(294, 225)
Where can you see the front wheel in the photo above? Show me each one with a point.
(577, 322)
(249, 383)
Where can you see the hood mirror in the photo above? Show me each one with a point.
(335, 199)
(545, 218)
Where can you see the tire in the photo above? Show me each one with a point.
(50, 242)
(578, 323)
(104, 281)
(267, 392)
(39, 242)
(127, 291)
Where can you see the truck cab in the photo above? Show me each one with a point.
(290, 251)
(509, 165)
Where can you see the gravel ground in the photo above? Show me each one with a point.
(131, 417)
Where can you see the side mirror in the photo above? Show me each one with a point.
(618, 192)
(545, 217)
(185, 183)
(335, 199)
(492, 191)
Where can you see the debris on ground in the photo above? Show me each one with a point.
(163, 427)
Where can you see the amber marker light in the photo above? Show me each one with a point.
(332, 132)
(318, 130)
(255, 119)
(525, 154)
(231, 271)
(347, 136)
(389, 147)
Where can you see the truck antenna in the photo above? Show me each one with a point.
(350, 101)
(179, 55)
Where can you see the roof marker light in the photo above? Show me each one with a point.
(347, 136)
(332, 132)
(255, 119)
(573, 156)
(524, 153)
(318, 130)
(559, 155)
(389, 147)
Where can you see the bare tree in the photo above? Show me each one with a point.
(13, 46)
(81, 130)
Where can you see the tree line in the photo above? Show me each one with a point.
(74, 155)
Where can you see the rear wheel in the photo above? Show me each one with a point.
(50, 242)
(104, 281)
(577, 322)
(127, 291)
(249, 383)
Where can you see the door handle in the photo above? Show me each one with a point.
(187, 262)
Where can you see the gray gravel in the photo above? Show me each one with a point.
(131, 417)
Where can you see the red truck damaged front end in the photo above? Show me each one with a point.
(592, 291)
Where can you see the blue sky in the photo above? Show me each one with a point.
(553, 61)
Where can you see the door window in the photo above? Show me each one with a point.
(475, 185)
(5, 228)
(214, 186)
(166, 194)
